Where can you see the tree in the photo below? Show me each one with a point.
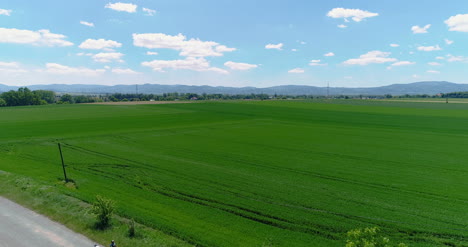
(369, 237)
(66, 98)
(2, 102)
(46, 95)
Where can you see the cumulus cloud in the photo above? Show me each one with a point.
(98, 44)
(273, 46)
(452, 58)
(151, 53)
(433, 71)
(418, 29)
(402, 63)
(356, 15)
(429, 48)
(40, 38)
(394, 45)
(458, 23)
(89, 24)
(371, 57)
(125, 7)
(330, 54)
(55, 68)
(316, 62)
(342, 26)
(296, 71)
(240, 66)
(124, 71)
(434, 64)
(294, 50)
(11, 67)
(440, 58)
(149, 12)
(448, 42)
(6, 12)
(107, 57)
(188, 48)
(190, 63)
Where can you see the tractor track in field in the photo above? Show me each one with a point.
(270, 220)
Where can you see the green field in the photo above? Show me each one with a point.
(271, 173)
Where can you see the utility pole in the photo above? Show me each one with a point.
(63, 164)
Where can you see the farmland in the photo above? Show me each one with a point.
(253, 173)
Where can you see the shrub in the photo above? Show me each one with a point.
(103, 208)
(131, 228)
(368, 237)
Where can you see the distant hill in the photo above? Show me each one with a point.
(426, 87)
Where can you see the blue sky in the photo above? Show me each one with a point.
(233, 43)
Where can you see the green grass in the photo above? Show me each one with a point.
(278, 173)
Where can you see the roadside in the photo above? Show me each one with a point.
(21, 227)
(51, 201)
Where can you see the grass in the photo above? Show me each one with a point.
(271, 173)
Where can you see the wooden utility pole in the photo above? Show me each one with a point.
(63, 164)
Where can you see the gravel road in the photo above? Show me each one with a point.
(21, 227)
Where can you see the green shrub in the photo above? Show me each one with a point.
(131, 228)
(368, 237)
(103, 208)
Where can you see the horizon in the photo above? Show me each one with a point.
(232, 44)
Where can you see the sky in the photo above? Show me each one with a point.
(347, 43)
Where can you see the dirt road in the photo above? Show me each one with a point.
(21, 227)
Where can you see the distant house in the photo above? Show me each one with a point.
(194, 98)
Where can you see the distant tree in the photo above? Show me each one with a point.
(66, 99)
(46, 95)
(23, 96)
(2, 102)
(369, 237)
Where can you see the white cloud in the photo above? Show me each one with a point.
(98, 44)
(415, 76)
(433, 71)
(240, 66)
(356, 15)
(418, 29)
(402, 63)
(296, 71)
(440, 58)
(434, 64)
(273, 46)
(223, 48)
(316, 62)
(190, 63)
(371, 57)
(294, 50)
(342, 26)
(452, 58)
(6, 12)
(40, 38)
(124, 71)
(458, 23)
(11, 67)
(188, 48)
(149, 12)
(107, 57)
(126, 7)
(84, 54)
(151, 53)
(55, 68)
(330, 54)
(394, 45)
(448, 42)
(89, 24)
(429, 48)
(302, 42)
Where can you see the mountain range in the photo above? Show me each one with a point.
(425, 87)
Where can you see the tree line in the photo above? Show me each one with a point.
(24, 96)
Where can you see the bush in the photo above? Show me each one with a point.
(368, 237)
(131, 228)
(103, 208)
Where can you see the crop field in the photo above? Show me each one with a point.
(258, 173)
